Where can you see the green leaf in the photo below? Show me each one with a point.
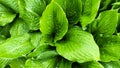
(63, 63)
(39, 49)
(47, 63)
(47, 54)
(107, 22)
(112, 64)
(89, 11)
(17, 63)
(18, 28)
(104, 5)
(35, 38)
(15, 47)
(5, 31)
(47, 1)
(30, 11)
(12, 4)
(72, 8)
(2, 39)
(92, 64)
(53, 23)
(6, 16)
(109, 48)
(78, 45)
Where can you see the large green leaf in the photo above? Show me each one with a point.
(92, 64)
(53, 23)
(6, 15)
(12, 4)
(18, 28)
(112, 64)
(89, 11)
(15, 47)
(107, 22)
(78, 45)
(30, 11)
(109, 48)
(72, 8)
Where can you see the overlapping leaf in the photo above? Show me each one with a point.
(89, 11)
(6, 15)
(72, 8)
(53, 23)
(15, 47)
(30, 11)
(79, 46)
(109, 48)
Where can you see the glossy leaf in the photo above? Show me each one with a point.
(47, 63)
(107, 22)
(19, 28)
(89, 11)
(109, 48)
(72, 8)
(112, 64)
(12, 4)
(78, 45)
(53, 23)
(17, 63)
(15, 47)
(63, 63)
(35, 38)
(39, 49)
(6, 15)
(47, 54)
(92, 64)
(30, 11)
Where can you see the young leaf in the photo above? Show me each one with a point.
(30, 11)
(53, 23)
(109, 48)
(72, 8)
(107, 22)
(89, 11)
(6, 15)
(18, 28)
(78, 45)
(15, 47)
(92, 64)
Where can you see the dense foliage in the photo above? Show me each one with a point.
(59, 33)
